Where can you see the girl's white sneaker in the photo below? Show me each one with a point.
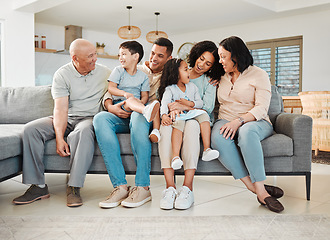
(210, 154)
(176, 163)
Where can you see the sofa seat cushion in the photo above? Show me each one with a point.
(10, 140)
(124, 141)
(277, 145)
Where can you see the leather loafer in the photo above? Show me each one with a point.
(272, 204)
(273, 191)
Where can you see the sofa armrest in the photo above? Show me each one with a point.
(299, 128)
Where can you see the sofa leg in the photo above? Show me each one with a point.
(308, 185)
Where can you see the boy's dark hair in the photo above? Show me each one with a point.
(216, 71)
(240, 54)
(133, 47)
(164, 42)
(170, 75)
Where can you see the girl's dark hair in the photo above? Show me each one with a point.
(240, 54)
(170, 75)
(216, 71)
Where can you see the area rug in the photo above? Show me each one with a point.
(322, 157)
(170, 228)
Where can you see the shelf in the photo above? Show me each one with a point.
(45, 50)
(107, 56)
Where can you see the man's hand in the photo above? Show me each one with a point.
(118, 111)
(62, 148)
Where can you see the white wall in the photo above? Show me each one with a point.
(314, 27)
(47, 63)
(18, 46)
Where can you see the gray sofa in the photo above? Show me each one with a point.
(287, 152)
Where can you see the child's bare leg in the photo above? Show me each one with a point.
(155, 134)
(176, 141)
(206, 134)
(176, 162)
(156, 122)
(134, 104)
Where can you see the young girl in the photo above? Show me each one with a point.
(175, 86)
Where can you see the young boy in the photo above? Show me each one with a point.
(128, 84)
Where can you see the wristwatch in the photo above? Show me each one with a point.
(241, 120)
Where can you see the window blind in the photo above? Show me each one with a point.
(281, 59)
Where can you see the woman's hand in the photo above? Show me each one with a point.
(230, 129)
(173, 106)
(166, 120)
(186, 102)
(174, 114)
(214, 83)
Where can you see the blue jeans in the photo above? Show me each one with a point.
(248, 159)
(106, 126)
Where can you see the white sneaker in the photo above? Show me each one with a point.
(168, 198)
(185, 198)
(154, 135)
(115, 198)
(210, 154)
(149, 112)
(176, 163)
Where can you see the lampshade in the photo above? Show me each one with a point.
(129, 32)
(153, 35)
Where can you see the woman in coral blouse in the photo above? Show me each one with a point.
(244, 95)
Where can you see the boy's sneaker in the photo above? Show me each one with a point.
(168, 198)
(210, 154)
(73, 198)
(184, 199)
(176, 163)
(115, 198)
(137, 197)
(154, 135)
(149, 112)
(34, 193)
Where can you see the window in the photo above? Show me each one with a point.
(282, 60)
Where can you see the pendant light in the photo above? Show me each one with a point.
(153, 35)
(129, 32)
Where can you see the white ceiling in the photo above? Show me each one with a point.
(176, 16)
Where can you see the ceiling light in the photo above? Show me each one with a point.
(129, 32)
(153, 35)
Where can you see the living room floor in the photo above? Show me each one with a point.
(214, 196)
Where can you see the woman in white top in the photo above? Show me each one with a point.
(204, 63)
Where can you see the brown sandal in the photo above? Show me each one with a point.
(272, 204)
(273, 191)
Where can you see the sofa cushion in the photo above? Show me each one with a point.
(10, 140)
(276, 105)
(24, 104)
(124, 141)
(277, 145)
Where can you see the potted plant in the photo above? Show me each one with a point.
(100, 48)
